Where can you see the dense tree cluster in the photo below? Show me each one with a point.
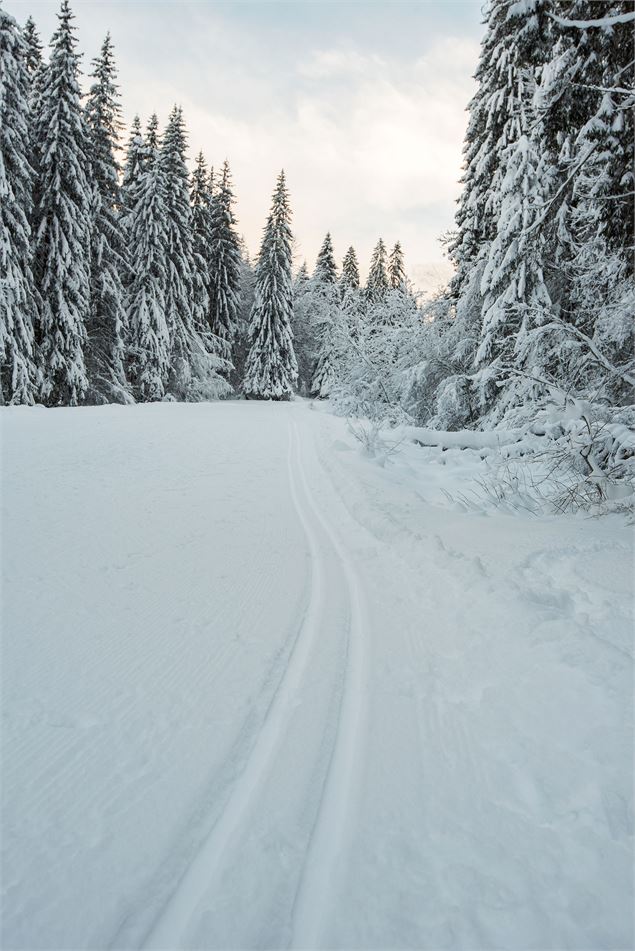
(542, 298)
(342, 329)
(131, 283)
(540, 308)
(116, 284)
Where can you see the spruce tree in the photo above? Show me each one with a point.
(134, 164)
(33, 56)
(182, 314)
(604, 87)
(107, 322)
(396, 270)
(18, 307)
(350, 271)
(584, 100)
(271, 369)
(377, 283)
(224, 265)
(201, 202)
(304, 343)
(325, 318)
(516, 298)
(325, 267)
(152, 134)
(246, 301)
(62, 222)
(324, 375)
(514, 44)
(149, 337)
(36, 69)
(35, 65)
(353, 302)
(302, 277)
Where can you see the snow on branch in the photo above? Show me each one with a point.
(557, 323)
(602, 22)
(461, 439)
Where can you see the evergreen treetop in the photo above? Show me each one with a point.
(62, 220)
(34, 48)
(396, 270)
(271, 368)
(377, 282)
(225, 264)
(135, 159)
(350, 271)
(106, 330)
(325, 267)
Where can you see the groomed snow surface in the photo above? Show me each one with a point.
(260, 691)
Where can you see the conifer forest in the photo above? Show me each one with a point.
(317, 584)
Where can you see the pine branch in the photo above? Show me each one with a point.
(556, 323)
(602, 22)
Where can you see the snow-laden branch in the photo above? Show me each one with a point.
(460, 439)
(618, 90)
(602, 22)
(539, 221)
(556, 323)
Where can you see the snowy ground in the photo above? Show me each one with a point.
(260, 691)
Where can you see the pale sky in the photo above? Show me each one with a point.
(362, 103)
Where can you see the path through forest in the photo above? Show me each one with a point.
(261, 692)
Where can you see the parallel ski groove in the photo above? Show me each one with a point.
(331, 831)
(172, 924)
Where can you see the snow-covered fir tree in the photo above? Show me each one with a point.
(304, 330)
(148, 349)
(33, 56)
(325, 267)
(200, 200)
(585, 98)
(325, 317)
(35, 64)
(396, 269)
(106, 327)
(349, 277)
(516, 298)
(184, 319)
(134, 163)
(515, 46)
(225, 265)
(302, 277)
(606, 85)
(18, 306)
(541, 296)
(245, 305)
(514, 42)
(152, 138)
(62, 222)
(377, 282)
(271, 369)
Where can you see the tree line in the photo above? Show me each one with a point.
(122, 284)
(131, 283)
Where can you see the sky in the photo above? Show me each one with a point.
(362, 103)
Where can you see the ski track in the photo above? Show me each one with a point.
(328, 835)
(474, 796)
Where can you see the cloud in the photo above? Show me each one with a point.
(369, 126)
(371, 147)
(329, 64)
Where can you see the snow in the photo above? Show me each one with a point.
(462, 438)
(263, 690)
